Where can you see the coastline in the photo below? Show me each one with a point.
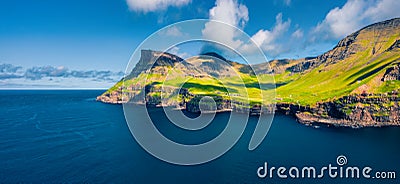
(311, 120)
(300, 113)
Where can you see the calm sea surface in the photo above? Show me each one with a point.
(66, 136)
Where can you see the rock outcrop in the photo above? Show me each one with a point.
(351, 111)
(113, 97)
(392, 73)
(150, 59)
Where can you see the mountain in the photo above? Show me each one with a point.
(356, 65)
(372, 40)
(354, 84)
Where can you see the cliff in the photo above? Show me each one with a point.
(354, 84)
(349, 111)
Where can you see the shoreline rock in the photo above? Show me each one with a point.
(311, 120)
(355, 111)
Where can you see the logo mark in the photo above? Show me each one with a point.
(341, 160)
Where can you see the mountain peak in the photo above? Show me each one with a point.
(395, 22)
(214, 54)
(370, 41)
(150, 59)
(376, 38)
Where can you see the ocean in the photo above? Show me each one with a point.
(54, 136)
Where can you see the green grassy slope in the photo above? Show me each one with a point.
(360, 72)
(324, 83)
(356, 65)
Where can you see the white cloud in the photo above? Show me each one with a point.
(267, 39)
(287, 2)
(176, 51)
(172, 31)
(355, 14)
(55, 77)
(298, 34)
(264, 38)
(229, 12)
(154, 5)
(382, 10)
(236, 14)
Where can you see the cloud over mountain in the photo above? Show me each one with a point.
(237, 15)
(354, 15)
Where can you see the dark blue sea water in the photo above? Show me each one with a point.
(66, 136)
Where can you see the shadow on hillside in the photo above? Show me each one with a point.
(256, 85)
(208, 87)
(369, 73)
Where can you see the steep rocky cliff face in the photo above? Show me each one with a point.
(355, 84)
(151, 59)
(364, 108)
(304, 65)
(352, 111)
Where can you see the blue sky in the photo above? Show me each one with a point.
(64, 41)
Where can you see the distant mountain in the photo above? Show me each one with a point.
(215, 55)
(354, 84)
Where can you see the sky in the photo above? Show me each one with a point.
(88, 44)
